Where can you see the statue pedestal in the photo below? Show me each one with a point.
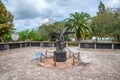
(60, 56)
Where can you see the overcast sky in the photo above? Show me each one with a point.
(32, 13)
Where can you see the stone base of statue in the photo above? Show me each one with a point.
(60, 56)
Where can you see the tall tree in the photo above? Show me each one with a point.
(99, 27)
(101, 8)
(78, 23)
(30, 35)
(45, 29)
(6, 21)
(106, 23)
(115, 24)
(25, 34)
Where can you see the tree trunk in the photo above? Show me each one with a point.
(118, 37)
(1, 39)
(96, 39)
(78, 39)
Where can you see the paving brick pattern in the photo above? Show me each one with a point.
(17, 64)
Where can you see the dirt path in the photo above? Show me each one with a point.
(17, 64)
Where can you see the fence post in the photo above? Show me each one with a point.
(73, 60)
(46, 53)
(79, 45)
(112, 46)
(30, 43)
(53, 44)
(20, 45)
(66, 44)
(55, 60)
(7, 46)
(95, 45)
(79, 58)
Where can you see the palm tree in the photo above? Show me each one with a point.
(78, 23)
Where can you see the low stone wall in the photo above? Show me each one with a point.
(100, 45)
(12, 45)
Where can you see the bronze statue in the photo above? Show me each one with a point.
(60, 54)
(60, 43)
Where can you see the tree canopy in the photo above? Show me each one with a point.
(106, 23)
(79, 23)
(6, 20)
(44, 30)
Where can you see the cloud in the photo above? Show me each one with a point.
(24, 9)
(114, 3)
(27, 24)
(32, 13)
